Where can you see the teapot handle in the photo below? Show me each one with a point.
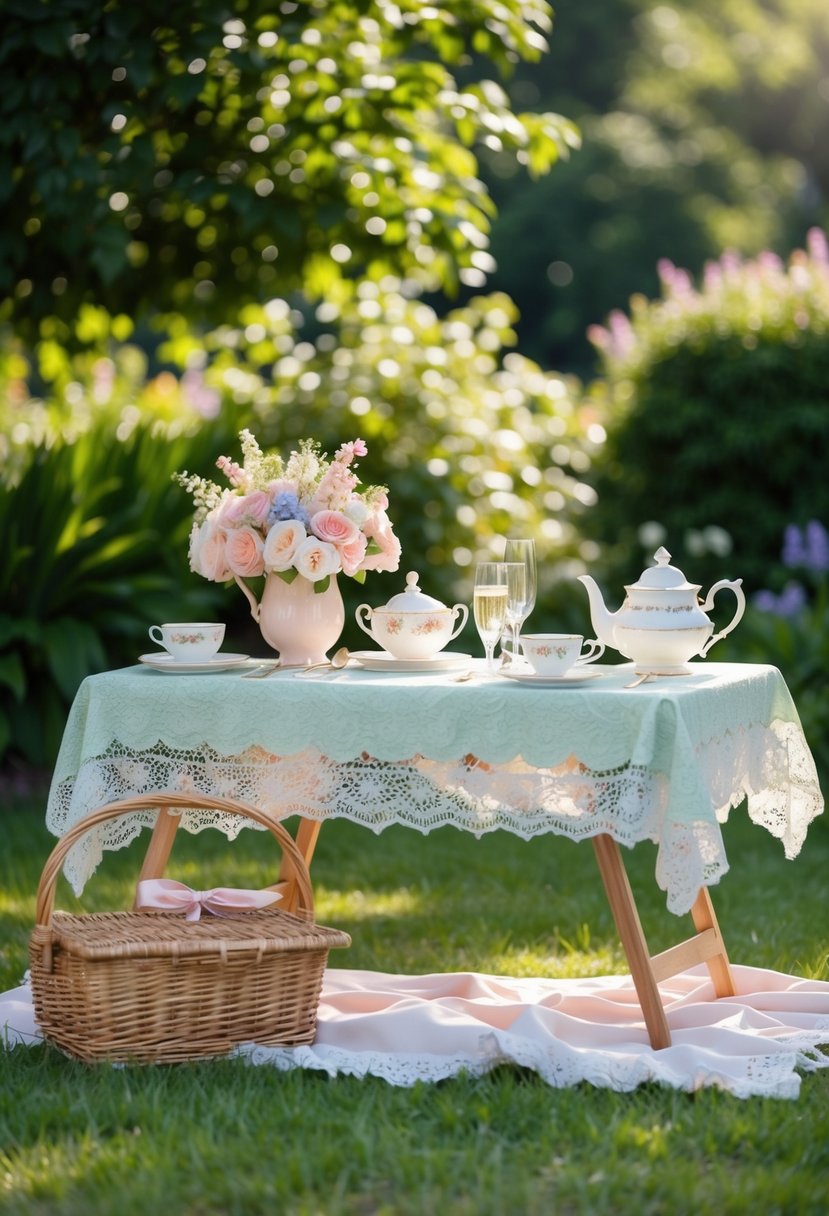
(732, 585)
(464, 614)
(365, 628)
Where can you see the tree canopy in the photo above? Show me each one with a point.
(178, 158)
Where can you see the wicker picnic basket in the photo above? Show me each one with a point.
(152, 987)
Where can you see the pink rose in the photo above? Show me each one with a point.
(243, 552)
(344, 534)
(241, 509)
(379, 529)
(281, 544)
(334, 527)
(207, 551)
(316, 559)
(352, 555)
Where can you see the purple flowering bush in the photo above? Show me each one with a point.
(717, 412)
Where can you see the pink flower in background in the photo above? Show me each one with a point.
(243, 552)
(316, 559)
(281, 544)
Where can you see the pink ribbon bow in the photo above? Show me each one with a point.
(165, 894)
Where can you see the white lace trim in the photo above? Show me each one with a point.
(770, 765)
(561, 1066)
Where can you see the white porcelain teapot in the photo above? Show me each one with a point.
(412, 625)
(662, 623)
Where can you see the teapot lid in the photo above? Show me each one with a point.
(413, 599)
(663, 577)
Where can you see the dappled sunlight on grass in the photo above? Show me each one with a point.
(356, 906)
(43, 1174)
(524, 963)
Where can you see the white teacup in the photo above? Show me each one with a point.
(189, 641)
(556, 654)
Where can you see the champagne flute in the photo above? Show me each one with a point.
(489, 606)
(520, 606)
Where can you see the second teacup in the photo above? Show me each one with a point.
(556, 654)
(189, 641)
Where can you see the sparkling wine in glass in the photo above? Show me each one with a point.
(489, 606)
(520, 606)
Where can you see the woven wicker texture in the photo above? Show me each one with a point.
(153, 987)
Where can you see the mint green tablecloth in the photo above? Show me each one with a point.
(663, 762)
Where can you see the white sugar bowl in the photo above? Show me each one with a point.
(412, 625)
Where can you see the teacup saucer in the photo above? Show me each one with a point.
(160, 661)
(532, 677)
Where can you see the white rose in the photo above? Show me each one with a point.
(282, 543)
(316, 559)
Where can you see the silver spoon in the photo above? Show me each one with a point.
(338, 659)
(259, 673)
(642, 679)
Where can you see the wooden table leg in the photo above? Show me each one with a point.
(705, 922)
(629, 928)
(706, 946)
(161, 843)
(306, 839)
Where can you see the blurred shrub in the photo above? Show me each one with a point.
(718, 414)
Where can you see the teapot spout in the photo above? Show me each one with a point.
(602, 620)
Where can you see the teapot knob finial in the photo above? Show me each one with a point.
(662, 556)
(411, 581)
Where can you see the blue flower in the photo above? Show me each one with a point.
(817, 547)
(287, 506)
(789, 603)
(808, 548)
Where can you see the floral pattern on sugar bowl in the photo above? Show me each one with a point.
(412, 625)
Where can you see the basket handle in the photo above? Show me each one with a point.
(113, 810)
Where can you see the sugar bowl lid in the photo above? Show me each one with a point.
(413, 599)
(662, 576)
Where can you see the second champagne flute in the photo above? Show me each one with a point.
(489, 605)
(523, 551)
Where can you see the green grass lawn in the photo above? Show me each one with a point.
(223, 1137)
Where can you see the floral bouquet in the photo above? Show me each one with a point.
(306, 516)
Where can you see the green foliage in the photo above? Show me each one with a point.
(93, 533)
(161, 160)
(718, 410)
